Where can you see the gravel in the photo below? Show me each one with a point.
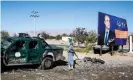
(111, 70)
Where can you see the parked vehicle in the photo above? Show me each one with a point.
(25, 50)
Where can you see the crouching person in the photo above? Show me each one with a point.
(71, 53)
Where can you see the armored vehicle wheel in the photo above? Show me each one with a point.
(3, 66)
(47, 63)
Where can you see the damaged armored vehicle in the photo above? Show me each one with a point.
(25, 50)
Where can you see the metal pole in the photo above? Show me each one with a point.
(130, 48)
(34, 15)
(101, 50)
(34, 26)
(112, 50)
(122, 49)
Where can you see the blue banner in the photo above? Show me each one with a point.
(111, 30)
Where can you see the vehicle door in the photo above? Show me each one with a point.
(34, 51)
(17, 52)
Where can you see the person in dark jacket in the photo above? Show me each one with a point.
(106, 35)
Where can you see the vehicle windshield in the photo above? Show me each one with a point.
(45, 45)
(6, 43)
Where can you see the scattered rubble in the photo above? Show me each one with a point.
(93, 60)
(24, 75)
(86, 69)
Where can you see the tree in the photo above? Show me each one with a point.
(70, 35)
(80, 35)
(51, 37)
(45, 35)
(92, 36)
(64, 34)
(58, 37)
(4, 35)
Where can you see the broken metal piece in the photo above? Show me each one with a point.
(93, 60)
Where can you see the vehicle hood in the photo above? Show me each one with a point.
(55, 46)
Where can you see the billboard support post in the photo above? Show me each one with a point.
(100, 50)
(112, 50)
(130, 44)
(122, 49)
(112, 30)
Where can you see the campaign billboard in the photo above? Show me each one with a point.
(111, 29)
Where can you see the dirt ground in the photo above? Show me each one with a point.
(117, 67)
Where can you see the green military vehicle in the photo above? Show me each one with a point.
(25, 50)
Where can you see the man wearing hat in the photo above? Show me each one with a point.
(71, 53)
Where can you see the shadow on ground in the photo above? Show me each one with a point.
(31, 67)
(60, 63)
(22, 67)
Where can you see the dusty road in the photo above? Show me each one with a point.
(117, 67)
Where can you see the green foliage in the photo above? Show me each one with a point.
(4, 35)
(58, 37)
(64, 34)
(51, 37)
(81, 50)
(45, 35)
(48, 36)
(80, 35)
(70, 35)
(92, 36)
(88, 47)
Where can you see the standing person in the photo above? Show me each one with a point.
(39, 36)
(71, 53)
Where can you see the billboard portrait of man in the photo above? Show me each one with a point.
(107, 35)
(112, 30)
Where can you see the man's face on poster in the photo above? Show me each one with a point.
(107, 22)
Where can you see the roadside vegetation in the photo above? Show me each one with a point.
(4, 35)
(81, 36)
(87, 38)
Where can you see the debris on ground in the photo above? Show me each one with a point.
(93, 60)
(88, 68)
